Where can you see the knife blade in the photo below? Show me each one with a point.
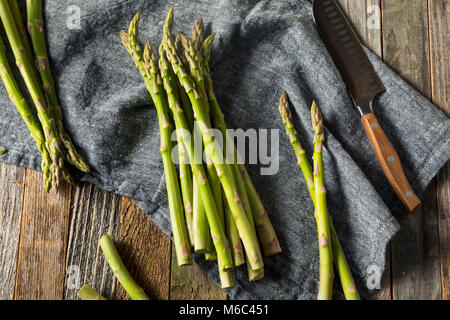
(363, 85)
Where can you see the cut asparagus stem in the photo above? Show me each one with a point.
(210, 254)
(34, 87)
(147, 65)
(207, 199)
(233, 237)
(226, 279)
(186, 187)
(188, 203)
(214, 151)
(323, 226)
(2, 150)
(21, 105)
(120, 271)
(36, 30)
(200, 220)
(347, 282)
(250, 198)
(87, 293)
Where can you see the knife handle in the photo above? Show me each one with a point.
(390, 162)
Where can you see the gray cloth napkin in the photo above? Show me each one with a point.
(261, 49)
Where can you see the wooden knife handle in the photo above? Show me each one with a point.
(390, 162)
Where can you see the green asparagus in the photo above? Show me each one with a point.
(22, 106)
(207, 198)
(214, 151)
(339, 259)
(325, 254)
(26, 68)
(87, 293)
(250, 198)
(119, 269)
(147, 65)
(36, 31)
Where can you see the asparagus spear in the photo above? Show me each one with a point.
(27, 71)
(119, 269)
(186, 187)
(214, 151)
(36, 30)
(147, 65)
(323, 225)
(87, 293)
(188, 203)
(15, 10)
(21, 105)
(200, 221)
(340, 262)
(208, 202)
(233, 237)
(251, 200)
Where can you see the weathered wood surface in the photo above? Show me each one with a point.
(94, 213)
(439, 15)
(145, 251)
(51, 240)
(41, 262)
(365, 17)
(415, 250)
(190, 283)
(11, 193)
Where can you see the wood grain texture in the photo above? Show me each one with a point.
(405, 41)
(145, 250)
(191, 283)
(94, 213)
(365, 17)
(439, 13)
(11, 193)
(390, 162)
(41, 260)
(415, 251)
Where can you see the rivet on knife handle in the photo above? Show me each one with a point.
(390, 162)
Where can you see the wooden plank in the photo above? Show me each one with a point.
(415, 251)
(191, 283)
(94, 213)
(43, 238)
(439, 12)
(365, 16)
(145, 250)
(11, 193)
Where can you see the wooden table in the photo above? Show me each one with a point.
(48, 242)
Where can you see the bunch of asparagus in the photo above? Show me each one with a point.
(32, 61)
(330, 249)
(218, 211)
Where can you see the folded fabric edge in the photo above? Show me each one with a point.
(429, 169)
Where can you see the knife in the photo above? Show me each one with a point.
(363, 85)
